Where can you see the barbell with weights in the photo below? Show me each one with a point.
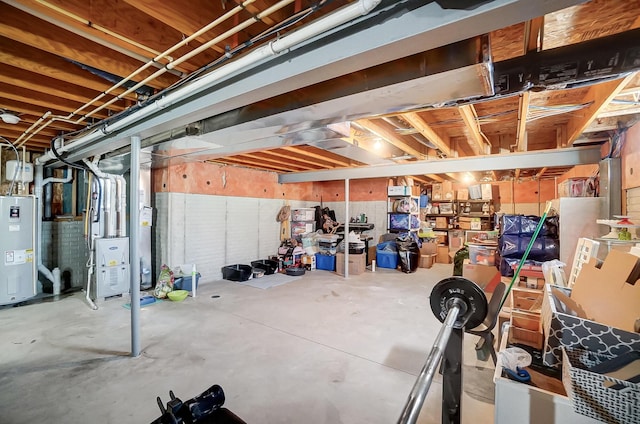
(459, 304)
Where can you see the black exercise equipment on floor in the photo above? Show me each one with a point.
(206, 408)
(461, 306)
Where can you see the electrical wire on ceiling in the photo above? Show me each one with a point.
(292, 20)
(536, 112)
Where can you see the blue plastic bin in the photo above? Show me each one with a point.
(387, 255)
(184, 282)
(325, 262)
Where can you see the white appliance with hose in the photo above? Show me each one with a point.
(106, 234)
(17, 243)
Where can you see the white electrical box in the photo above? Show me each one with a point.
(112, 266)
(24, 175)
(17, 242)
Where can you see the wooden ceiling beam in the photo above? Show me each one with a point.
(619, 112)
(201, 13)
(600, 95)
(521, 130)
(299, 158)
(420, 179)
(469, 116)
(45, 85)
(20, 26)
(421, 125)
(533, 34)
(300, 150)
(454, 177)
(390, 136)
(12, 135)
(277, 164)
(33, 60)
(435, 177)
(541, 172)
(113, 25)
(251, 163)
(610, 123)
(40, 99)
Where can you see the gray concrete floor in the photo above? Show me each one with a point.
(320, 349)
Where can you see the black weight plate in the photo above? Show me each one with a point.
(466, 290)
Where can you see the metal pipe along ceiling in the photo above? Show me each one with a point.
(326, 23)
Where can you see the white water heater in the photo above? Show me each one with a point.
(17, 247)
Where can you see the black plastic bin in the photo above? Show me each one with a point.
(238, 272)
(269, 266)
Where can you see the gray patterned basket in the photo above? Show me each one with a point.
(592, 394)
(562, 329)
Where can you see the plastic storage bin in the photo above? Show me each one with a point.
(482, 254)
(267, 265)
(325, 262)
(387, 255)
(238, 272)
(184, 282)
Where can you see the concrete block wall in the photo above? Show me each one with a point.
(63, 246)
(213, 231)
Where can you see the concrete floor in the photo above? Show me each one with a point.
(320, 349)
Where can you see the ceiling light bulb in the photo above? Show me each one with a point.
(468, 178)
(9, 118)
(377, 145)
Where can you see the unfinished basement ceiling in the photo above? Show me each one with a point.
(411, 96)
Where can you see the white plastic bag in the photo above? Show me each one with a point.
(514, 357)
(553, 272)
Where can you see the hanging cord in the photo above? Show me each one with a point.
(5, 142)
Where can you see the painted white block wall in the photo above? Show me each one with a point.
(214, 231)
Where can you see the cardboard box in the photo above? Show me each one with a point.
(356, 263)
(564, 325)
(485, 276)
(436, 192)
(443, 255)
(476, 224)
(429, 247)
(486, 191)
(456, 240)
(447, 190)
(442, 222)
(399, 191)
(610, 295)
(427, 261)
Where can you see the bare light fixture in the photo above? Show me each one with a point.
(9, 117)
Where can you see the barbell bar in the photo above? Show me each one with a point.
(458, 303)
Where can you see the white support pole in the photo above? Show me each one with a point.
(346, 228)
(134, 245)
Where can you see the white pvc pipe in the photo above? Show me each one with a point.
(38, 189)
(272, 49)
(121, 205)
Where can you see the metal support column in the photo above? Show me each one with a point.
(134, 245)
(452, 378)
(346, 228)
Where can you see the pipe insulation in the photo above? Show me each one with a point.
(243, 63)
